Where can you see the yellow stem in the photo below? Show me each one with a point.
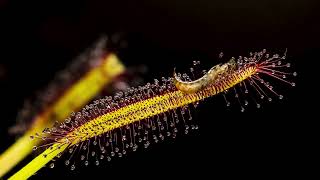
(38, 162)
(74, 98)
(15, 154)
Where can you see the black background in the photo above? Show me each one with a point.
(39, 38)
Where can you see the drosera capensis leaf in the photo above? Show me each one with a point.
(140, 116)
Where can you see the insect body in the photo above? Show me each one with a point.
(212, 76)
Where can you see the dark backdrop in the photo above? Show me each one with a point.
(40, 37)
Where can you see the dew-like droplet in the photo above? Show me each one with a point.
(294, 73)
(116, 149)
(51, 165)
(93, 153)
(269, 99)
(264, 51)
(195, 104)
(86, 163)
(242, 109)
(97, 163)
(228, 104)
(293, 84)
(153, 128)
(174, 135)
(134, 148)
(34, 148)
(109, 158)
(67, 162)
(161, 137)
(204, 72)
(221, 55)
(82, 157)
(73, 167)
(280, 96)
(258, 106)
(94, 143)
